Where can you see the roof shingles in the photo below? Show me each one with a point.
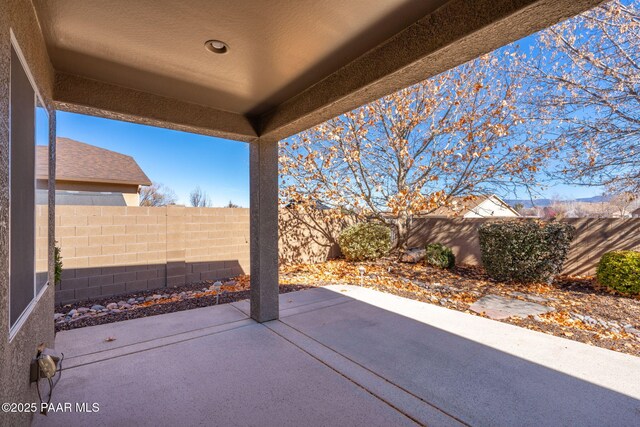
(77, 161)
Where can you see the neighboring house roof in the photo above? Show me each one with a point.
(81, 198)
(77, 161)
(460, 206)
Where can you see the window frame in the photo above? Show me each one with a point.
(37, 98)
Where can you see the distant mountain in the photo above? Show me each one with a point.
(594, 199)
(529, 203)
(548, 202)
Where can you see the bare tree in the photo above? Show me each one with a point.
(199, 199)
(232, 205)
(622, 203)
(457, 134)
(587, 76)
(157, 194)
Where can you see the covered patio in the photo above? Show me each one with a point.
(339, 355)
(259, 72)
(255, 72)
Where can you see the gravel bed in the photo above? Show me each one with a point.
(149, 308)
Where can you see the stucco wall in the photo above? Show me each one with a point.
(308, 237)
(15, 355)
(594, 237)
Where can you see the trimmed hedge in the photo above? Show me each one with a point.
(439, 256)
(365, 241)
(620, 270)
(524, 250)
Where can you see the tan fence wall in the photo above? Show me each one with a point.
(307, 238)
(594, 237)
(113, 250)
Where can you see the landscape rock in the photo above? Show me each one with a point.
(633, 331)
(57, 316)
(112, 305)
(83, 310)
(534, 298)
(97, 307)
(497, 307)
(414, 255)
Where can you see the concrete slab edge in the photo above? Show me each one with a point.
(415, 408)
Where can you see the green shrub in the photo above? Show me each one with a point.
(620, 270)
(524, 250)
(365, 241)
(58, 262)
(440, 256)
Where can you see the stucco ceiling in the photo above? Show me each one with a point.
(278, 48)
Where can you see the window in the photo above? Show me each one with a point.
(28, 223)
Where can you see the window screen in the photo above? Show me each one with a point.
(22, 189)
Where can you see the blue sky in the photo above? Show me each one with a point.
(183, 161)
(178, 160)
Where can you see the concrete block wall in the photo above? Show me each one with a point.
(114, 250)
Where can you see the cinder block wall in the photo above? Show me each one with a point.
(594, 237)
(114, 250)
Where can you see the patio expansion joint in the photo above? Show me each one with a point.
(449, 418)
(167, 341)
(296, 309)
(152, 340)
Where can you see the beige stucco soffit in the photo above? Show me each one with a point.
(85, 96)
(455, 33)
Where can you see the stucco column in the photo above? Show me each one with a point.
(264, 229)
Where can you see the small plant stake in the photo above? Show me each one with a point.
(362, 271)
(217, 286)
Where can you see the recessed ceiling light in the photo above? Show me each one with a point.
(217, 46)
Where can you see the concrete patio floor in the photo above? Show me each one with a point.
(339, 355)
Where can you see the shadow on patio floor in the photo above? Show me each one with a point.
(339, 356)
